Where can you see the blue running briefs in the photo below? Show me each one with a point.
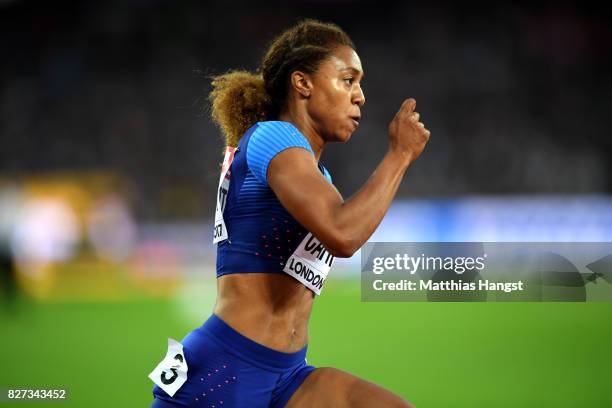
(229, 370)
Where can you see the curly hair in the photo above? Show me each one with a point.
(240, 99)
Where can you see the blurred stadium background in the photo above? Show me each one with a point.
(109, 165)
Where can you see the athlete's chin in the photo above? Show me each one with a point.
(342, 136)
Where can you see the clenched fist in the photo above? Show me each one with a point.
(407, 135)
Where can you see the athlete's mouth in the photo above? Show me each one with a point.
(355, 120)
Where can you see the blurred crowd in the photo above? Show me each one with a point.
(516, 97)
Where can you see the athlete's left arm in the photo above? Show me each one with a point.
(343, 227)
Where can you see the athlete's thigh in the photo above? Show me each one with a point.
(333, 388)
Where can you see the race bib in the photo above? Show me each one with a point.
(310, 263)
(171, 373)
(224, 184)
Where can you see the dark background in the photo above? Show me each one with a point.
(517, 97)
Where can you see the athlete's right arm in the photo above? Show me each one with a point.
(344, 226)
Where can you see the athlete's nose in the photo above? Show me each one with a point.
(359, 97)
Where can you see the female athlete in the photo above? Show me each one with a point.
(279, 224)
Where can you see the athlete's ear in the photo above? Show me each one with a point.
(301, 82)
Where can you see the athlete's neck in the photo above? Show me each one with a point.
(306, 127)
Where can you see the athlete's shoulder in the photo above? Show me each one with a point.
(274, 134)
(266, 140)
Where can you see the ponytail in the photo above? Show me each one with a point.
(239, 100)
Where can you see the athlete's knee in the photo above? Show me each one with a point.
(356, 392)
(391, 400)
(405, 404)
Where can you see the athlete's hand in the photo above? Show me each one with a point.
(407, 136)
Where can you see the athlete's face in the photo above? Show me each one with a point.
(336, 98)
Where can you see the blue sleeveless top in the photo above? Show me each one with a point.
(262, 235)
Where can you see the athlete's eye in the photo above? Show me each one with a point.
(349, 81)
